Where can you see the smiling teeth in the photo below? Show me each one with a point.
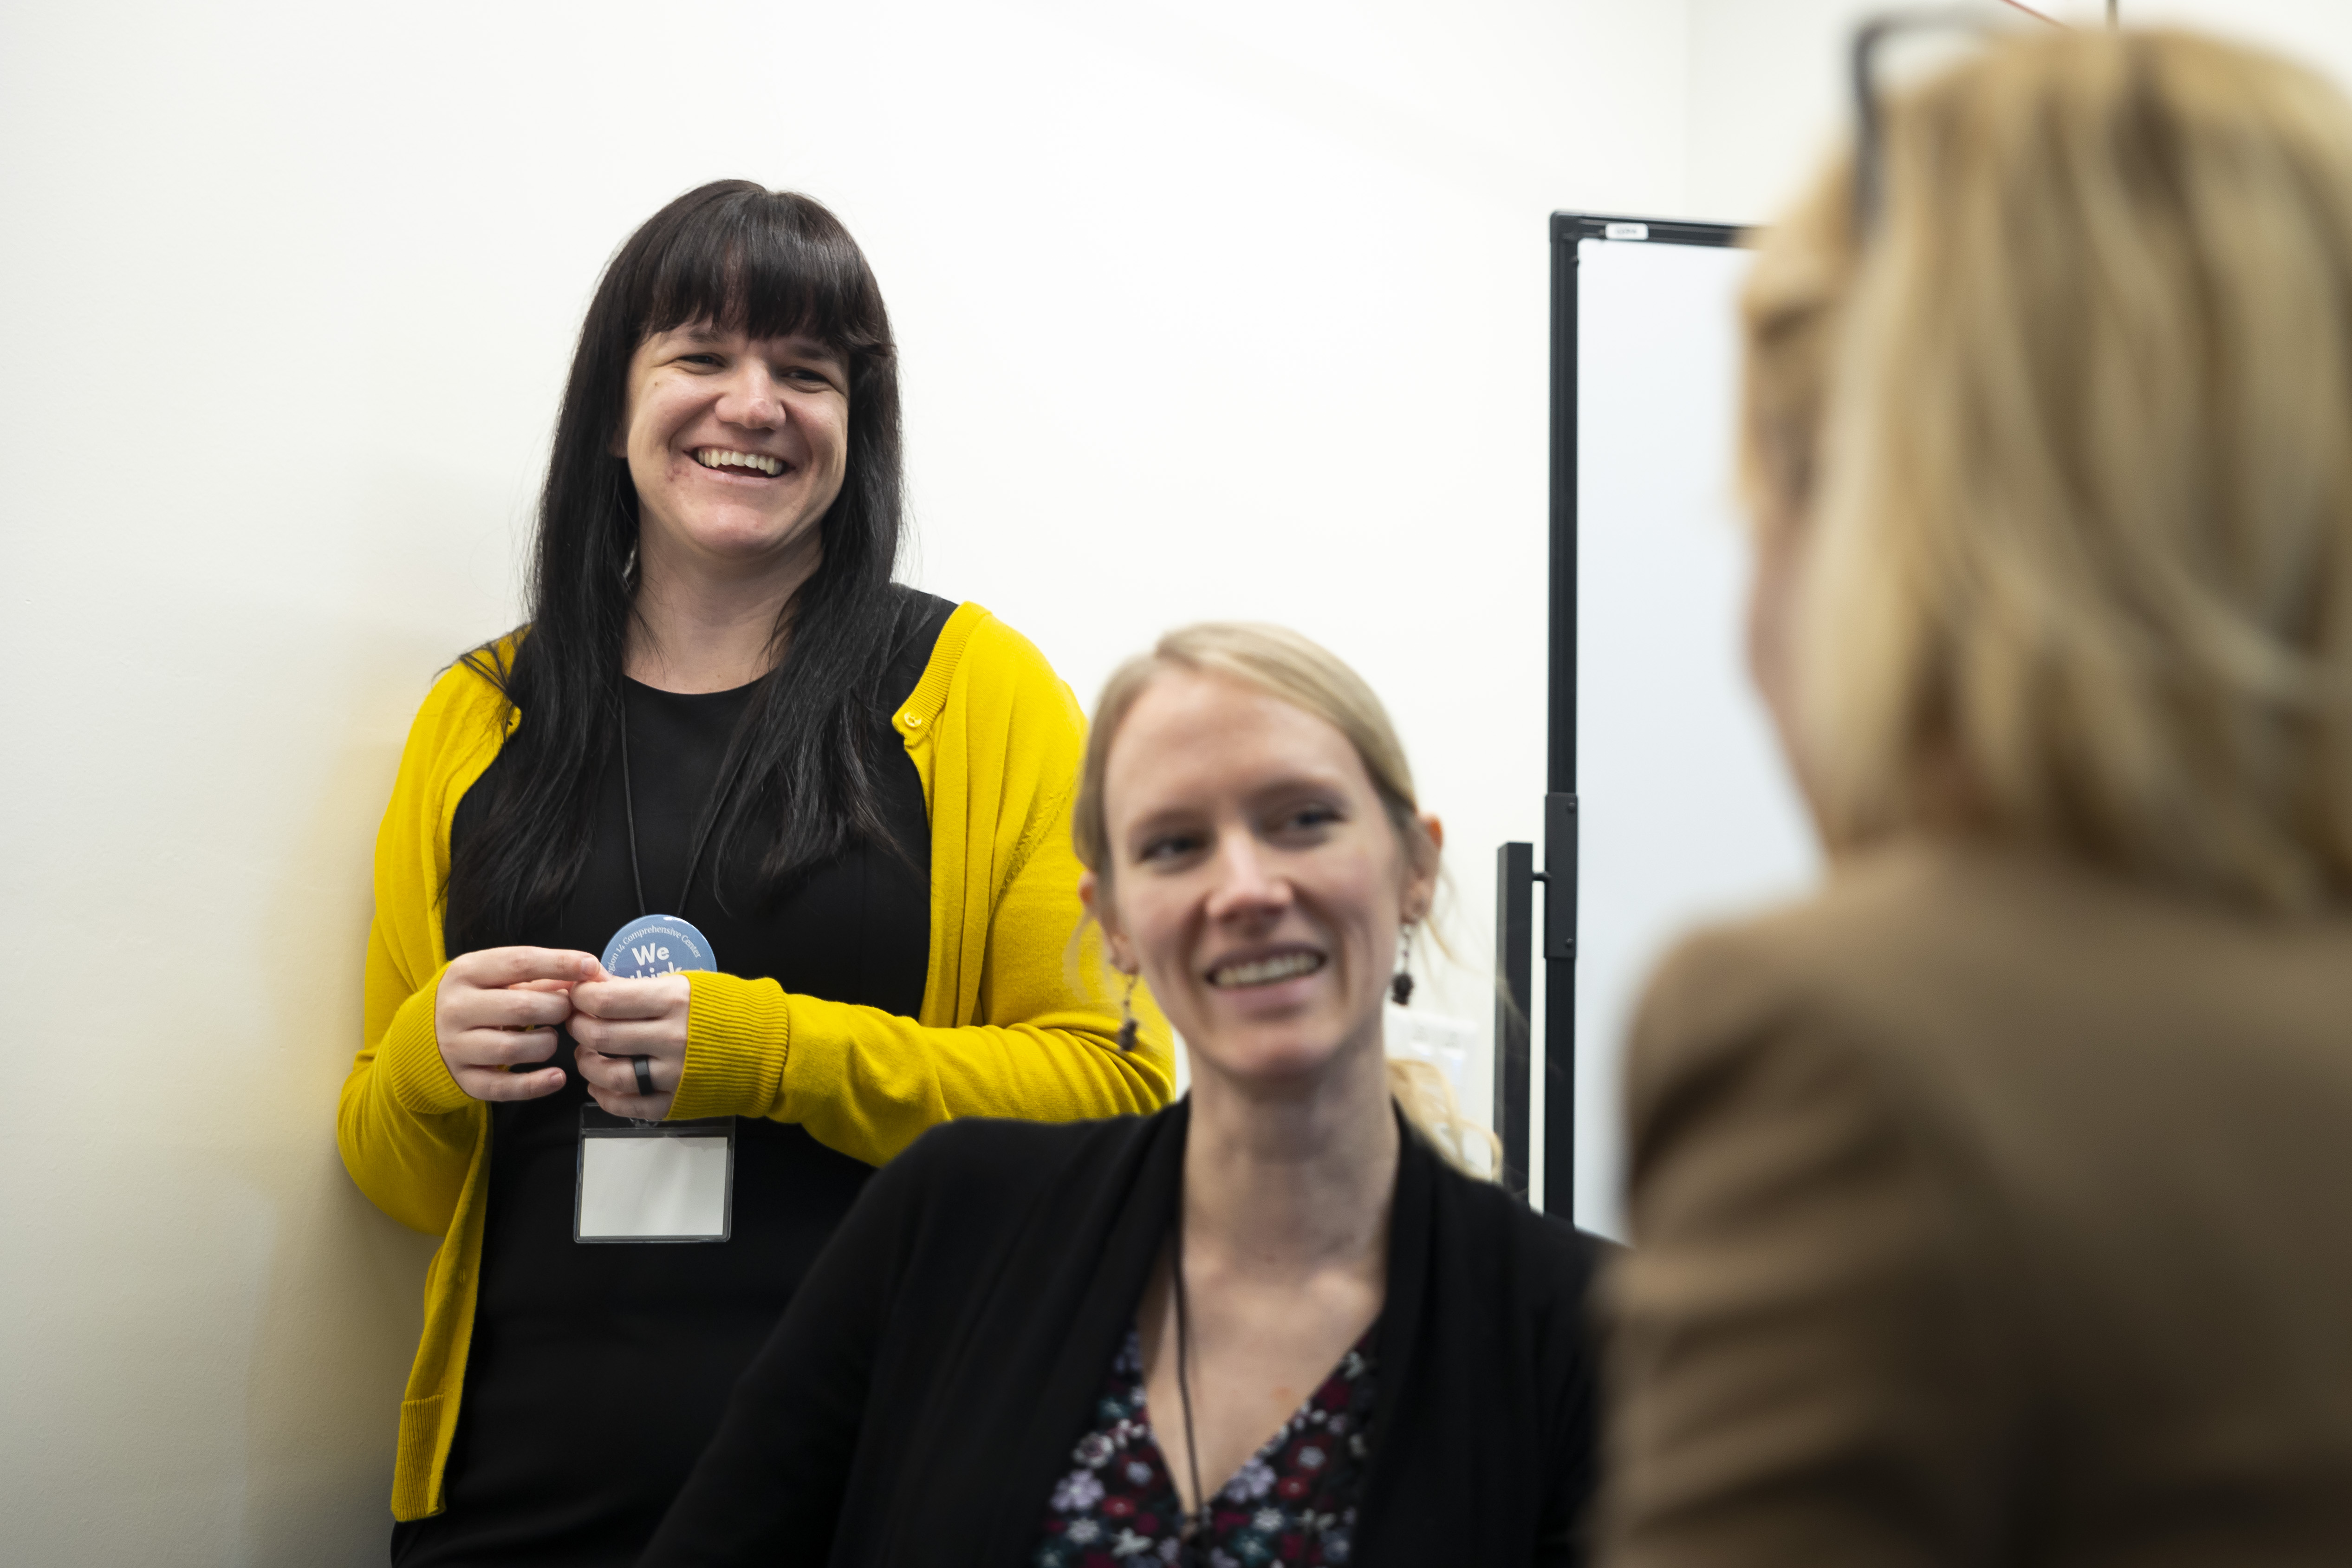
(711, 459)
(1267, 970)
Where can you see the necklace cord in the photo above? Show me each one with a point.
(629, 808)
(710, 810)
(1196, 1518)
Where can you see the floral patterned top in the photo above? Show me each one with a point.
(1293, 1503)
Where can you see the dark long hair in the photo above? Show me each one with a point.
(771, 264)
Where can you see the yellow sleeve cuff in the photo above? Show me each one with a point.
(739, 1033)
(410, 1057)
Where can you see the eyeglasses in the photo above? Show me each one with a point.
(1870, 152)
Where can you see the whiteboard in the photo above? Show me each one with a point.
(1687, 811)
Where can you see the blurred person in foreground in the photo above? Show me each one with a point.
(1992, 1205)
(1277, 1322)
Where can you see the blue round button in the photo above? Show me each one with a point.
(657, 944)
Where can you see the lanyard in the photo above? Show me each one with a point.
(1194, 1525)
(712, 806)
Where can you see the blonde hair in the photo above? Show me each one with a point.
(1284, 665)
(2082, 410)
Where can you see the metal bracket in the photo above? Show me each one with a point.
(1558, 875)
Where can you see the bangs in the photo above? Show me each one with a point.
(768, 264)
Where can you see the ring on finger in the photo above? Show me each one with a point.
(645, 1075)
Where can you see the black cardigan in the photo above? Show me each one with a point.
(920, 1397)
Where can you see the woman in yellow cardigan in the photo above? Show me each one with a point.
(700, 896)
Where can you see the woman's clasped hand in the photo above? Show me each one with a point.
(497, 1010)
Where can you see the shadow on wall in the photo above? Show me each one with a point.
(204, 1329)
(337, 1318)
(339, 1315)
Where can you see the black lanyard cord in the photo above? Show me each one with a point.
(710, 810)
(1195, 1522)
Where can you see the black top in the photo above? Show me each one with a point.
(597, 1372)
(920, 1397)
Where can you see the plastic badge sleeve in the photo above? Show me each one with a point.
(663, 1181)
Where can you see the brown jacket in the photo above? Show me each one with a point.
(1988, 1210)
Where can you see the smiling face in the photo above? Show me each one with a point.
(736, 445)
(1255, 877)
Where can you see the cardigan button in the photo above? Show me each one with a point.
(914, 721)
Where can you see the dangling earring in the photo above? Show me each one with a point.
(1401, 982)
(1127, 1016)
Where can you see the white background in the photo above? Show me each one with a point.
(1209, 309)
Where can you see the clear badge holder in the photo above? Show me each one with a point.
(654, 1181)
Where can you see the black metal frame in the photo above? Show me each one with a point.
(1515, 871)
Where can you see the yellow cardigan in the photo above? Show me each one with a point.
(1011, 1026)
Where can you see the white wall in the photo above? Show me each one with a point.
(1208, 308)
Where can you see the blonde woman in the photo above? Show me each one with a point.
(1991, 1207)
(1276, 1322)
